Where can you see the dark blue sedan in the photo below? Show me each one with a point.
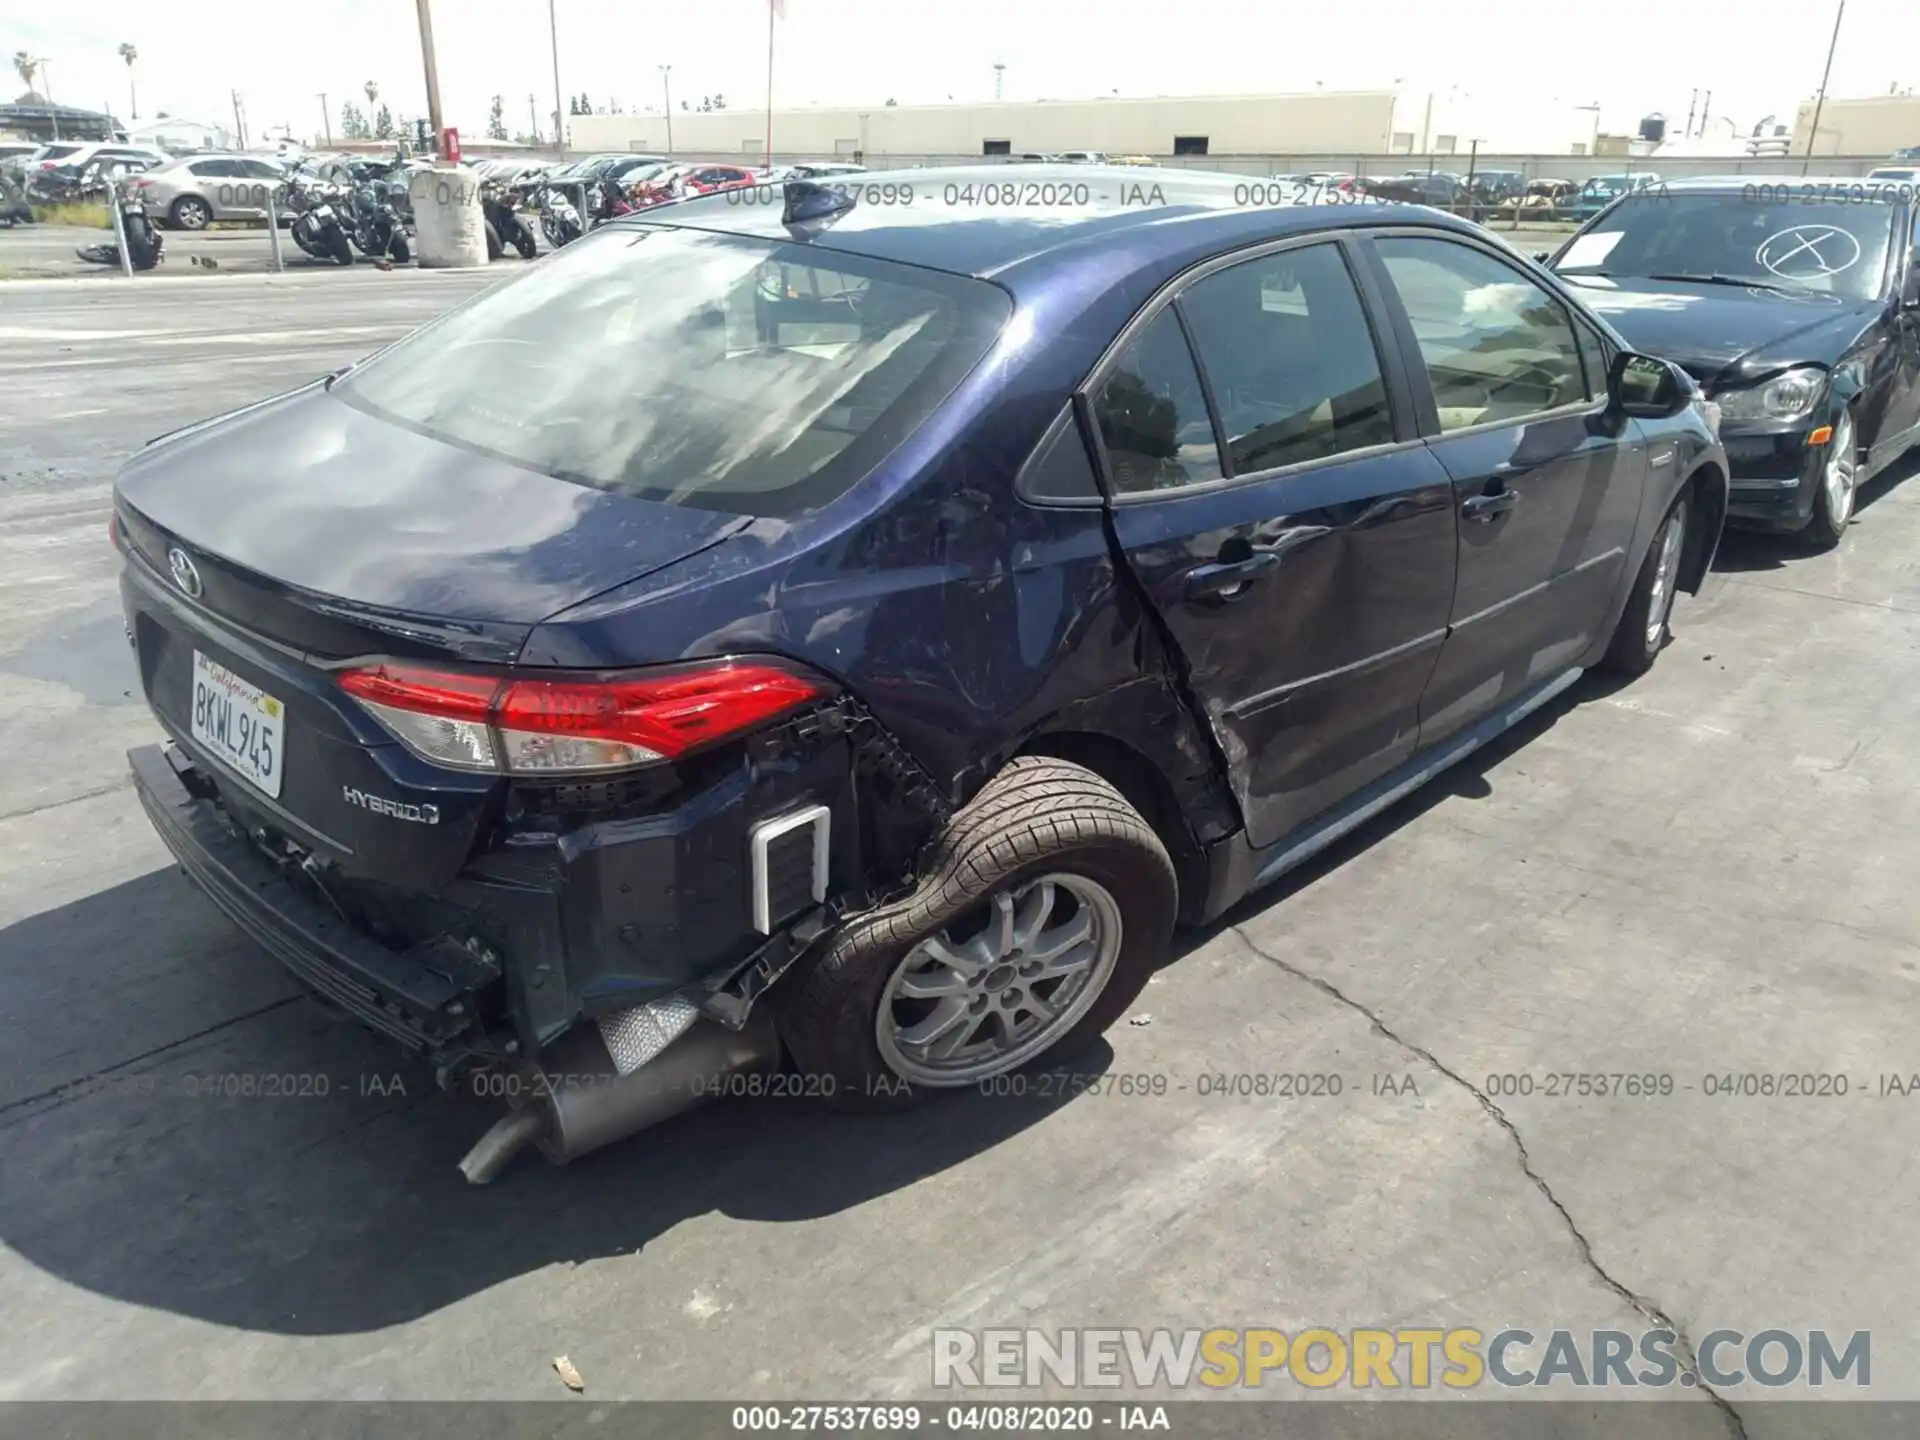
(838, 633)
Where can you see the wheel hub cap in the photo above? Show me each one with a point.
(1001, 984)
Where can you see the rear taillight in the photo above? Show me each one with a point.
(522, 725)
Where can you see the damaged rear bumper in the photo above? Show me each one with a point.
(425, 1010)
(691, 908)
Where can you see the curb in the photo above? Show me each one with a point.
(268, 279)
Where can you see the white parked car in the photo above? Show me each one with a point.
(78, 153)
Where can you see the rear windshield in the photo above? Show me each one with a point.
(748, 376)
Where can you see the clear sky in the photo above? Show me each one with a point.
(1631, 56)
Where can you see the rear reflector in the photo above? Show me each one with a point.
(570, 725)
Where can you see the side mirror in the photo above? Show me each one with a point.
(1648, 388)
(1541, 257)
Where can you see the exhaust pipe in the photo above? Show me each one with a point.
(584, 1103)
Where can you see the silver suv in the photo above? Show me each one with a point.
(195, 190)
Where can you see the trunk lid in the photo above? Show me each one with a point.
(316, 524)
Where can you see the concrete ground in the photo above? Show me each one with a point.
(1708, 872)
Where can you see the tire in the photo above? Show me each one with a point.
(338, 246)
(1041, 827)
(1832, 512)
(190, 212)
(397, 249)
(494, 248)
(1644, 626)
(524, 242)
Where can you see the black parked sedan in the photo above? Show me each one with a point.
(892, 617)
(1796, 305)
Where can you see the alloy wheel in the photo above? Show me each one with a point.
(191, 215)
(1838, 481)
(1666, 570)
(1000, 985)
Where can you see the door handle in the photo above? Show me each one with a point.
(1228, 579)
(1487, 508)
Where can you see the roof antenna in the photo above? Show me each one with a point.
(811, 207)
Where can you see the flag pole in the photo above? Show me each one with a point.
(772, 7)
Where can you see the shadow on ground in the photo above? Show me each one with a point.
(1745, 551)
(143, 1177)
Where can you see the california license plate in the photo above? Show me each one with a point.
(241, 725)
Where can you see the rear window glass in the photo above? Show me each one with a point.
(674, 365)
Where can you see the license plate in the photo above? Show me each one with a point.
(241, 725)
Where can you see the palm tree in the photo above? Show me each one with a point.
(26, 65)
(129, 54)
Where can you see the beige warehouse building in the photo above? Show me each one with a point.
(1364, 122)
(1876, 126)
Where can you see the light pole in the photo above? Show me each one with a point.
(46, 94)
(326, 119)
(666, 98)
(433, 74)
(129, 54)
(1820, 101)
(553, 32)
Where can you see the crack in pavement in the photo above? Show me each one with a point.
(1647, 1309)
(82, 1085)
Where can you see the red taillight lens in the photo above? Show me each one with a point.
(559, 726)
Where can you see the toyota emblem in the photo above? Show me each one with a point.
(185, 573)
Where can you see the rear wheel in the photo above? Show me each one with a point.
(1047, 903)
(1839, 484)
(1643, 629)
(190, 212)
(397, 249)
(339, 247)
(526, 244)
(494, 248)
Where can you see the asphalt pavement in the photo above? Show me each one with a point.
(1706, 873)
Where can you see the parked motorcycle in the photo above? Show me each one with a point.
(374, 224)
(559, 218)
(613, 202)
(14, 209)
(316, 205)
(144, 245)
(504, 225)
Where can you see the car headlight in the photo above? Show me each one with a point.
(1785, 397)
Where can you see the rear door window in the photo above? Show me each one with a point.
(1290, 358)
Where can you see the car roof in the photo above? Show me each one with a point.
(1170, 216)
